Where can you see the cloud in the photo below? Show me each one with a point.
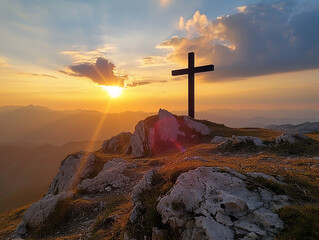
(80, 56)
(38, 75)
(259, 39)
(3, 63)
(140, 83)
(100, 72)
(152, 61)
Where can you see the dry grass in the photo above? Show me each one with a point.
(112, 222)
(10, 220)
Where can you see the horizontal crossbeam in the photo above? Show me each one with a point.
(193, 70)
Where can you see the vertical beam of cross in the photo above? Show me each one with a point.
(191, 85)
(191, 70)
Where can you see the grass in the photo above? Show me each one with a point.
(105, 221)
(162, 182)
(10, 220)
(301, 222)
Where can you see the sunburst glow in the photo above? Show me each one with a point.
(113, 91)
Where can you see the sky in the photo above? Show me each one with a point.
(61, 54)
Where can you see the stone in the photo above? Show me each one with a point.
(159, 234)
(39, 212)
(197, 126)
(219, 139)
(249, 227)
(166, 131)
(223, 219)
(226, 141)
(72, 170)
(117, 144)
(290, 138)
(139, 143)
(111, 176)
(244, 139)
(220, 203)
(144, 184)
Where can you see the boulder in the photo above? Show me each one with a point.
(37, 215)
(219, 139)
(166, 131)
(72, 170)
(144, 184)
(118, 144)
(290, 138)
(112, 175)
(213, 203)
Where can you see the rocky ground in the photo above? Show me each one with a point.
(177, 178)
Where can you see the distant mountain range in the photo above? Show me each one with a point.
(38, 125)
(26, 171)
(307, 127)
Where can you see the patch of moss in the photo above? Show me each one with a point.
(301, 222)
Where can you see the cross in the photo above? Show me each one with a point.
(191, 70)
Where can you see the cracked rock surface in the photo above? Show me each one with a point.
(214, 203)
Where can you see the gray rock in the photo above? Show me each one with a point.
(39, 212)
(221, 204)
(144, 184)
(159, 133)
(111, 175)
(159, 234)
(72, 170)
(117, 144)
(219, 139)
(290, 138)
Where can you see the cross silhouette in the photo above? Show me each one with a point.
(191, 70)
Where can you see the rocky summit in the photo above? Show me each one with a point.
(158, 134)
(179, 178)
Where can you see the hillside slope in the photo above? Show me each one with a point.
(26, 171)
(218, 185)
(307, 127)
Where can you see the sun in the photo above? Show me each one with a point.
(113, 91)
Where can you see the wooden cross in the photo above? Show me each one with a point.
(191, 70)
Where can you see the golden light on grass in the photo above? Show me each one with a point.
(113, 91)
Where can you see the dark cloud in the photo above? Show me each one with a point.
(100, 72)
(260, 39)
(140, 83)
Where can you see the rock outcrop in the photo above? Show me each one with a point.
(112, 176)
(166, 131)
(118, 144)
(225, 141)
(291, 138)
(73, 169)
(144, 184)
(214, 203)
(38, 213)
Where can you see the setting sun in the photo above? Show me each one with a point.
(113, 91)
